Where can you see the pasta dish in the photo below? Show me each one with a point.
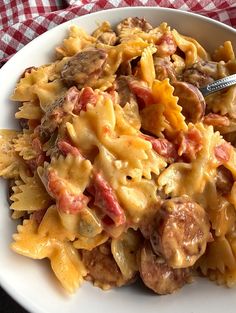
(122, 170)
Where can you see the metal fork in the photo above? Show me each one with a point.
(218, 85)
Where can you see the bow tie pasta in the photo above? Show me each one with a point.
(121, 168)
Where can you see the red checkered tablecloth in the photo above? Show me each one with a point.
(23, 20)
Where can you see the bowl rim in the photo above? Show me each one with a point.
(138, 8)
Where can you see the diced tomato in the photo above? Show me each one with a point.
(106, 200)
(142, 93)
(216, 120)
(87, 95)
(66, 202)
(190, 143)
(40, 155)
(66, 148)
(222, 152)
(163, 147)
(166, 45)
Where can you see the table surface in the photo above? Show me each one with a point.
(8, 305)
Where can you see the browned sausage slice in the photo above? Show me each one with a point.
(108, 38)
(133, 22)
(191, 100)
(201, 73)
(123, 90)
(181, 232)
(157, 275)
(224, 180)
(57, 110)
(102, 267)
(84, 68)
(164, 68)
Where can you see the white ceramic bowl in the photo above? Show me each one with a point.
(32, 283)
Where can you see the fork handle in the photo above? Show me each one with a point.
(218, 85)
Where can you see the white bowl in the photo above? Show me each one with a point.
(30, 282)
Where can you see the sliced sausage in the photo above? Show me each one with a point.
(55, 112)
(123, 90)
(201, 73)
(181, 232)
(108, 38)
(191, 100)
(102, 268)
(224, 180)
(164, 68)
(133, 22)
(84, 68)
(159, 276)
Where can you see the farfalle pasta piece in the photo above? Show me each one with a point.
(48, 92)
(29, 110)
(147, 65)
(179, 63)
(104, 82)
(223, 217)
(18, 214)
(127, 118)
(188, 47)
(24, 90)
(65, 180)
(30, 195)
(10, 162)
(224, 52)
(135, 33)
(227, 278)
(77, 40)
(105, 34)
(49, 241)
(195, 179)
(98, 124)
(137, 198)
(87, 243)
(152, 36)
(121, 53)
(23, 145)
(219, 261)
(124, 250)
(52, 227)
(162, 93)
(153, 119)
(85, 224)
(202, 53)
(223, 102)
(74, 171)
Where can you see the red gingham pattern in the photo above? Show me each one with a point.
(23, 20)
